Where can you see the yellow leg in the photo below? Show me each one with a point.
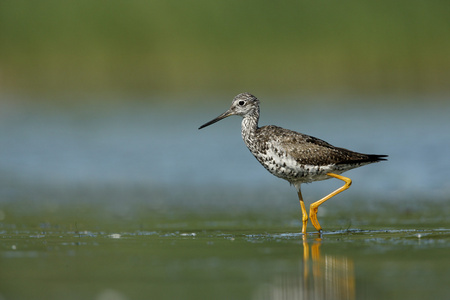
(315, 206)
(304, 213)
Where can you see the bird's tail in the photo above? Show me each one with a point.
(376, 157)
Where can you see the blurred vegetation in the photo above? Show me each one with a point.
(154, 47)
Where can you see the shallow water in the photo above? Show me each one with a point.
(249, 263)
(130, 145)
(133, 202)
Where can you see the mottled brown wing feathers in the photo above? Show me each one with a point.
(310, 150)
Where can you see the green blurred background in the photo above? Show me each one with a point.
(73, 49)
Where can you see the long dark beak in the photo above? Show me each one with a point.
(222, 116)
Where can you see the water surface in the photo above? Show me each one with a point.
(133, 202)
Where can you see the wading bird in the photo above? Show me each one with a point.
(295, 157)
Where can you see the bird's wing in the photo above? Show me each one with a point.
(310, 150)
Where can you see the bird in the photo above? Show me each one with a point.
(296, 157)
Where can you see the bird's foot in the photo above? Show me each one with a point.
(313, 216)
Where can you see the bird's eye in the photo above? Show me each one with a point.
(241, 103)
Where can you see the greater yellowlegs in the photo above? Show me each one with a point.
(295, 157)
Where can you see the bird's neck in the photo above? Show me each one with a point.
(249, 126)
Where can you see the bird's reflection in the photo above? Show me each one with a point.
(320, 277)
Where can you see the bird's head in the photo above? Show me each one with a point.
(242, 105)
